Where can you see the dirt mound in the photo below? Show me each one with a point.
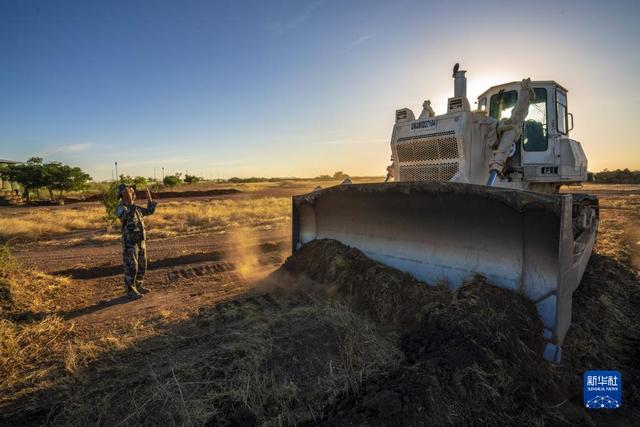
(189, 193)
(476, 359)
(381, 292)
(473, 355)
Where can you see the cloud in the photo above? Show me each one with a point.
(280, 27)
(65, 149)
(357, 42)
(351, 141)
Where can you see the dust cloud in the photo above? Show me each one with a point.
(245, 254)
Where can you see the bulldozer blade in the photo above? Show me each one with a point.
(533, 243)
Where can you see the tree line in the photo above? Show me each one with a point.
(618, 176)
(54, 176)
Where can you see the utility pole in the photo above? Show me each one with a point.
(117, 176)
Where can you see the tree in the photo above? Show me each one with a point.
(171, 180)
(140, 180)
(192, 179)
(59, 177)
(340, 175)
(30, 175)
(126, 179)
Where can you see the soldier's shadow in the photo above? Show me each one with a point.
(30, 316)
(100, 305)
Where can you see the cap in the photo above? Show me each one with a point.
(121, 188)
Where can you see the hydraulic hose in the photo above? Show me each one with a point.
(492, 178)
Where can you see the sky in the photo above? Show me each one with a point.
(299, 88)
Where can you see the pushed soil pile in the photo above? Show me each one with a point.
(473, 360)
(473, 356)
(381, 292)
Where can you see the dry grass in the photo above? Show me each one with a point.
(27, 291)
(170, 219)
(36, 223)
(30, 352)
(277, 357)
(38, 348)
(175, 218)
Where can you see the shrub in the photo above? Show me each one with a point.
(171, 180)
(110, 201)
(192, 179)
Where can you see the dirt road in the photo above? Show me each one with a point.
(184, 273)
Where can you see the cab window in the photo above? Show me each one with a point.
(561, 108)
(502, 104)
(534, 133)
(482, 105)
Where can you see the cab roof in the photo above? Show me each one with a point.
(533, 83)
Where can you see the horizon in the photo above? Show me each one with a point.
(293, 89)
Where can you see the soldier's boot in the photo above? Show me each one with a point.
(142, 289)
(132, 293)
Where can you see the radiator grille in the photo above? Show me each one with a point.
(440, 173)
(428, 149)
(433, 157)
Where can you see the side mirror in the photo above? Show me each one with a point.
(571, 126)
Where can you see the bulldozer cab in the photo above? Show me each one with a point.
(545, 129)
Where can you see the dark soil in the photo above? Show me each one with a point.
(381, 292)
(474, 356)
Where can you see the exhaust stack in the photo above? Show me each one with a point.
(459, 82)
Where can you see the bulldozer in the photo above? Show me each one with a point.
(474, 192)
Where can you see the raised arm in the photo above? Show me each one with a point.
(149, 210)
(151, 205)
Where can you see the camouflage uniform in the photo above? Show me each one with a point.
(134, 250)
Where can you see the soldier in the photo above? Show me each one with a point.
(134, 250)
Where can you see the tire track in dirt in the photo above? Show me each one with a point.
(59, 255)
(115, 269)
